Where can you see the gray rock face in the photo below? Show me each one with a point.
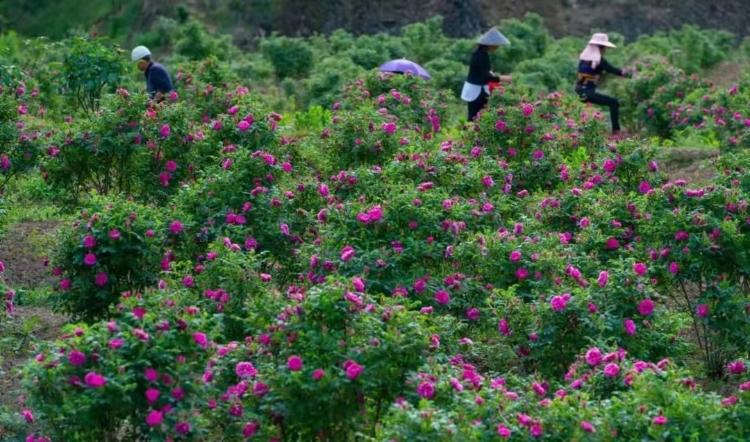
(469, 17)
(247, 19)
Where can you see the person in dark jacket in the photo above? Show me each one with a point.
(591, 65)
(158, 81)
(476, 91)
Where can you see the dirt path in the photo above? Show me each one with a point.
(25, 249)
(27, 327)
(694, 165)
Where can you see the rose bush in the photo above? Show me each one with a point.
(137, 373)
(116, 246)
(20, 138)
(379, 271)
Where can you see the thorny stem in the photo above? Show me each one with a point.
(703, 346)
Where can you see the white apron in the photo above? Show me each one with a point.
(471, 91)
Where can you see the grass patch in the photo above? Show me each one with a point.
(28, 198)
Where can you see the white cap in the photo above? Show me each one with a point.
(493, 37)
(139, 52)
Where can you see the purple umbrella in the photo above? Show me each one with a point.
(404, 66)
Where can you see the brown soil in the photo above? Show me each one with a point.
(726, 73)
(691, 164)
(24, 249)
(28, 327)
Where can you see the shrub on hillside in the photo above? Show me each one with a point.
(114, 248)
(291, 57)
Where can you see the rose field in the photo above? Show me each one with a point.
(292, 246)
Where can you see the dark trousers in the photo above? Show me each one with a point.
(589, 95)
(477, 105)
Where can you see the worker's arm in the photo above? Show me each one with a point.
(484, 66)
(161, 82)
(611, 69)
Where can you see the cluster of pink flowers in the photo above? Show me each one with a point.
(371, 215)
(559, 302)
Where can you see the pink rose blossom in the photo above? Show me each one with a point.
(736, 367)
(89, 259)
(646, 307)
(426, 390)
(640, 268)
(593, 357)
(503, 431)
(94, 380)
(200, 339)
(442, 297)
(352, 369)
(630, 327)
(603, 278)
(611, 370)
(154, 418)
(250, 429)
(294, 363)
(245, 369)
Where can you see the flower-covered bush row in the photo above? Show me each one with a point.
(312, 70)
(667, 102)
(605, 396)
(335, 360)
(20, 133)
(146, 149)
(394, 279)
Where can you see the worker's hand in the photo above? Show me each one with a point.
(505, 78)
(158, 97)
(628, 72)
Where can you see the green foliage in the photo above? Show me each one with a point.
(689, 48)
(372, 266)
(195, 43)
(114, 248)
(548, 73)
(291, 57)
(327, 80)
(19, 147)
(528, 39)
(330, 405)
(102, 155)
(90, 68)
(313, 119)
(93, 381)
(424, 41)
(659, 402)
(230, 283)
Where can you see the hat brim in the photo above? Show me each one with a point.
(493, 37)
(606, 44)
(497, 42)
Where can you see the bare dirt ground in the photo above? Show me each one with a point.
(694, 165)
(24, 248)
(28, 325)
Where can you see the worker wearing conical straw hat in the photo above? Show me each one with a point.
(476, 91)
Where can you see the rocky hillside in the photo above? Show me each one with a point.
(250, 18)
